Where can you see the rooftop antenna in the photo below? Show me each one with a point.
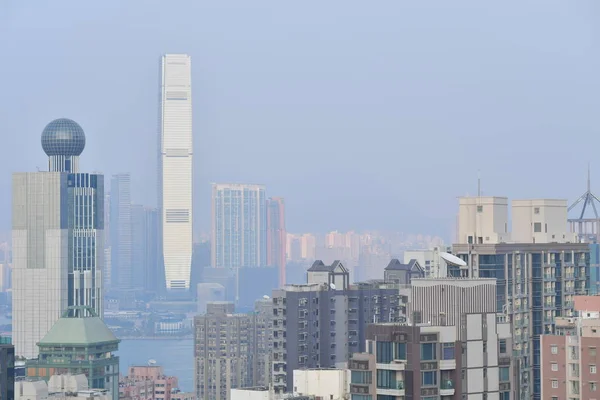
(478, 183)
(586, 226)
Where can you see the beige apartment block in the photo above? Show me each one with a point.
(483, 220)
(540, 221)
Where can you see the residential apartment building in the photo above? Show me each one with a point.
(239, 226)
(147, 382)
(223, 351)
(538, 267)
(320, 324)
(276, 236)
(428, 361)
(569, 359)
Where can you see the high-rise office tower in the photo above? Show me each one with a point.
(144, 256)
(239, 226)
(58, 239)
(175, 169)
(120, 232)
(276, 236)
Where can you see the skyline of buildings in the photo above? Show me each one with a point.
(122, 276)
(276, 236)
(175, 170)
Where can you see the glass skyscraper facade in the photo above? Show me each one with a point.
(239, 226)
(86, 240)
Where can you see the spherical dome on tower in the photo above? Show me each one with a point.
(63, 137)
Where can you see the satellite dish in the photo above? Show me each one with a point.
(453, 260)
(332, 286)
(151, 362)
(266, 297)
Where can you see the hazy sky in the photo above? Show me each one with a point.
(362, 114)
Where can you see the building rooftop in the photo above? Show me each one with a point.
(396, 265)
(78, 326)
(319, 266)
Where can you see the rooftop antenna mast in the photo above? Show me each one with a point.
(583, 226)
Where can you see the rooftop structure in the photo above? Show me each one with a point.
(587, 227)
(79, 342)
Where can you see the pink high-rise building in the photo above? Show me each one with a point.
(148, 382)
(569, 357)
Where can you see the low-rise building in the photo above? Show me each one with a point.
(148, 382)
(59, 387)
(323, 383)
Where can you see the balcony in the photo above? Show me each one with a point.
(448, 364)
(396, 390)
(396, 365)
(446, 387)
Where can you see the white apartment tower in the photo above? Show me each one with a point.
(175, 169)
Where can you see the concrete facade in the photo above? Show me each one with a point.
(483, 220)
(540, 221)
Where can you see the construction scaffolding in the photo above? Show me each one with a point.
(586, 227)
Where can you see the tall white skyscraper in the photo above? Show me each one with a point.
(175, 169)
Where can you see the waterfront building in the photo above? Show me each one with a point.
(175, 154)
(223, 351)
(239, 226)
(144, 251)
(122, 275)
(79, 342)
(539, 267)
(7, 368)
(57, 237)
(148, 382)
(276, 236)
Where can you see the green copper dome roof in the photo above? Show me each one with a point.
(79, 326)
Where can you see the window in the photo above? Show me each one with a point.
(428, 352)
(484, 346)
(554, 367)
(502, 343)
(554, 397)
(384, 352)
(593, 386)
(399, 351)
(479, 209)
(428, 378)
(536, 210)
(537, 226)
(361, 377)
(554, 349)
(448, 351)
(592, 352)
(554, 384)
(592, 369)
(386, 379)
(504, 374)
